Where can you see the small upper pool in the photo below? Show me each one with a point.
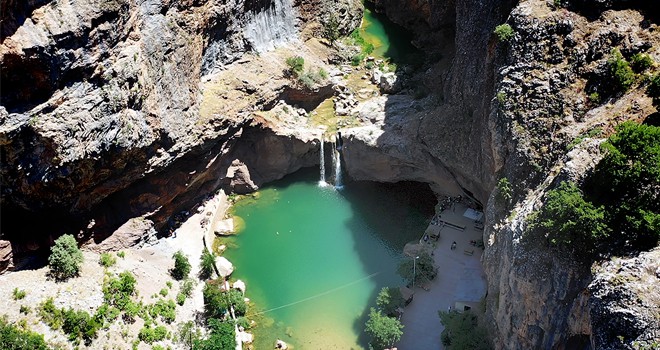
(389, 39)
(314, 258)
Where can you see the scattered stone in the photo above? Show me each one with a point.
(240, 285)
(280, 344)
(224, 227)
(389, 83)
(225, 267)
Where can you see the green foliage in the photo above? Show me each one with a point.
(163, 292)
(24, 309)
(18, 294)
(463, 331)
(186, 290)
(627, 183)
(188, 334)
(181, 266)
(14, 338)
(296, 65)
(118, 291)
(217, 302)
(79, 324)
(207, 264)
(383, 330)
(65, 258)
(501, 97)
(149, 334)
(221, 337)
(620, 71)
(653, 90)
(107, 260)
(504, 190)
(594, 98)
(169, 284)
(323, 74)
(423, 269)
(121, 254)
(50, 314)
(595, 132)
(165, 309)
(357, 59)
(389, 300)
(570, 220)
(331, 28)
(504, 32)
(641, 62)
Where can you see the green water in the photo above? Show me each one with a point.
(389, 39)
(319, 256)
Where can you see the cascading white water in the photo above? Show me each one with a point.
(337, 161)
(322, 182)
(274, 25)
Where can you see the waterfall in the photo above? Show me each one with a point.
(322, 182)
(275, 24)
(338, 182)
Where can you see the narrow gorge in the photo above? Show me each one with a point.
(139, 127)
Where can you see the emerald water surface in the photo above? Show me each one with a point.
(314, 258)
(389, 40)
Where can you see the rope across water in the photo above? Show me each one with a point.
(316, 296)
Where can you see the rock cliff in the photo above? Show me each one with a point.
(120, 110)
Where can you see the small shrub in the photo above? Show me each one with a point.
(620, 71)
(165, 309)
(163, 292)
(323, 74)
(151, 335)
(118, 291)
(296, 65)
(504, 190)
(357, 59)
(65, 258)
(501, 97)
(641, 62)
(207, 264)
(107, 260)
(18, 294)
(169, 284)
(331, 28)
(307, 80)
(504, 32)
(594, 98)
(24, 309)
(653, 90)
(50, 314)
(79, 324)
(15, 338)
(181, 266)
(121, 254)
(181, 299)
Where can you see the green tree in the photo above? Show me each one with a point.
(14, 338)
(641, 62)
(653, 90)
(504, 191)
(181, 266)
(504, 32)
(65, 258)
(570, 220)
(207, 265)
(331, 28)
(627, 183)
(389, 300)
(620, 71)
(217, 302)
(463, 331)
(423, 268)
(383, 330)
(222, 337)
(296, 65)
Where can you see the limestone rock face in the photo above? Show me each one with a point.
(106, 118)
(625, 302)
(6, 255)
